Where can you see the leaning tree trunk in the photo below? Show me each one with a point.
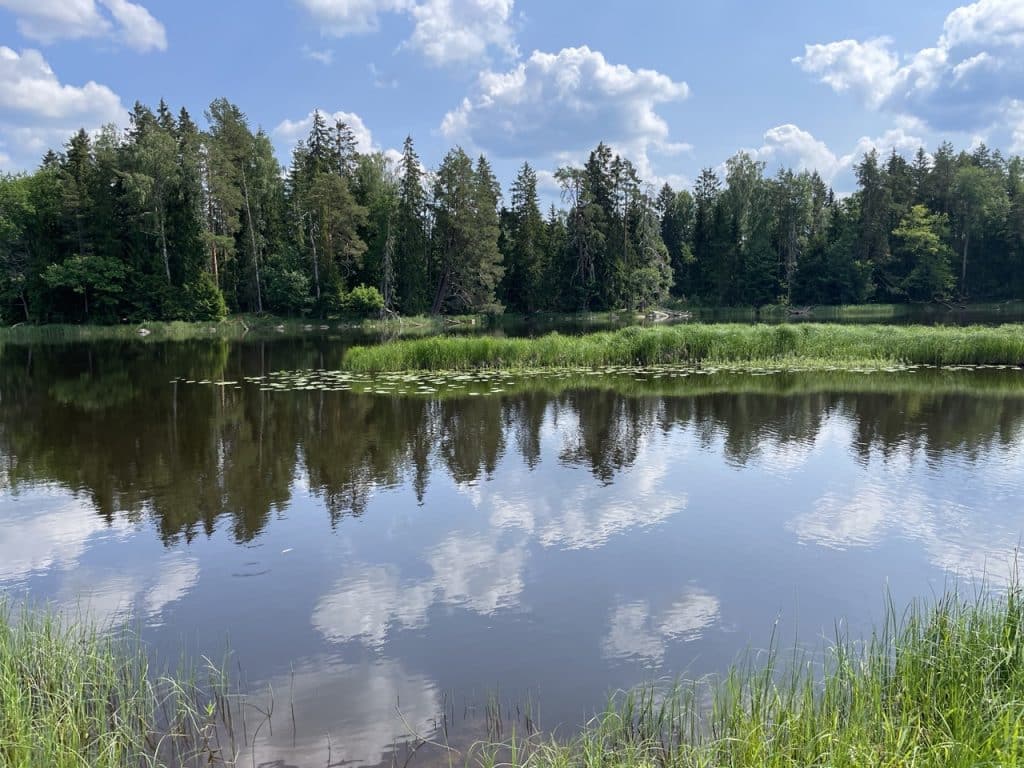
(252, 237)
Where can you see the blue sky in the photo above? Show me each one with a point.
(676, 86)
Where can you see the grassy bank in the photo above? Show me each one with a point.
(72, 697)
(234, 327)
(939, 686)
(817, 346)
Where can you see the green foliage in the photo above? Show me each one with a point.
(921, 241)
(287, 289)
(363, 302)
(177, 207)
(203, 301)
(73, 696)
(97, 279)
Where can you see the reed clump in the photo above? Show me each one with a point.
(73, 696)
(822, 345)
(941, 685)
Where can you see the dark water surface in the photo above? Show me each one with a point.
(370, 554)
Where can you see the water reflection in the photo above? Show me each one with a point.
(635, 633)
(359, 551)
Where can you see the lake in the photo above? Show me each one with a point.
(396, 559)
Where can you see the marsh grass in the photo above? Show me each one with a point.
(940, 685)
(72, 696)
(810, 345)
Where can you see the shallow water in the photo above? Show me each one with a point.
(381, 558)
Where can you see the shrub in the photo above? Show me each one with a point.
(363, 302)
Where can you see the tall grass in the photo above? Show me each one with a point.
(684, 344)
(71, 697)
(941, 685)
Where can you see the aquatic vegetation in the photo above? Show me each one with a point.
(940, 685)
(71, 696)
(1003, 381)
(804, 346)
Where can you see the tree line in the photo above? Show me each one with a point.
(168, 221)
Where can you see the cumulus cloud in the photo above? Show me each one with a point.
(444, 31)
(563, 103)
(289, 132)
(450, 31)
(293, 130)
(791, 146)
(128, 23)
(39, 111)
(28, 85)
(962, 83)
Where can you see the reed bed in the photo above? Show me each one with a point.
(821, 345)
(940, 685)
(72, 696)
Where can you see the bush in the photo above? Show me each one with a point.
(362, 302)
(203, 301)
(287, 290)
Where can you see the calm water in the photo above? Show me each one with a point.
(365, 554)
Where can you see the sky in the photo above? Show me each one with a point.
(674, 85)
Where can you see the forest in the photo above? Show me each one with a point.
(166, 221)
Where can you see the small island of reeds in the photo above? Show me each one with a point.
(806, 346)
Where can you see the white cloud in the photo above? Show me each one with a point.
(38, 111)
(984, 23)
(453, 31)
(962, 84)
(791, 146)
(1015, 118)
(51, 20)
(325, 56)
(444, 31)
(29, 85)
(567, 102)
(293, 130)
(351, 17)
(136, 27)
(868, 69)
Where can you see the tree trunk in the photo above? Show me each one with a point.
(316, 261)
(255, 253)
(85, 296)
(963, 267)
(24, 305)
(441, 295)
(163, 249)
